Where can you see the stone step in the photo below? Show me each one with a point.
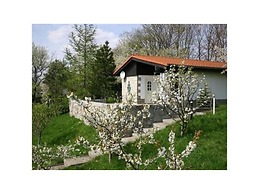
(58, 167)
(78, 160)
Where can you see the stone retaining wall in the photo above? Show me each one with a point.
(76, 110)
(156, 113)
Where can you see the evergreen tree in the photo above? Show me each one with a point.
(81, 56)
(56, 79)
(102, 81)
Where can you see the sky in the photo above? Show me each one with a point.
(54, 37)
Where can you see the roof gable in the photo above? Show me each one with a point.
(167, 61)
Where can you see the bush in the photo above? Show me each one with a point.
(111, 100)
(64, 105)
(41, 114)
(60, 105)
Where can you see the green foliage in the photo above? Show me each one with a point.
(111, 100)
(41, 115)
(57, 82)
(43, 157)
(205, 97)
(90, 67)
(101, 163)
(36, 93)
(60, 105)
(56, 79)
(81, 57)
(102, 80)
(63, 128)
(60, 132)
(40, 63)
(210, 154)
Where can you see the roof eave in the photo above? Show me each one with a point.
(120, 68)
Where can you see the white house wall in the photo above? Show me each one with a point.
(217, 83)
(133, 85)
(138, 87)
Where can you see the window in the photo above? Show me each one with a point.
(128, 87)
(149, 86)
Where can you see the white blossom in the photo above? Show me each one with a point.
(161, 152)
(115, 121)
(180, 86)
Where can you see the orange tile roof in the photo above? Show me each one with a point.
(166, 61)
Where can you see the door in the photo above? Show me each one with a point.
(148, 90)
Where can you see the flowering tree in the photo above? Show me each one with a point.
(115, 121)
(173, 160)
(43, 157)
(181, 93)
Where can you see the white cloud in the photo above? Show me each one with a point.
(59, 35)
(58, 39)
(102, 36)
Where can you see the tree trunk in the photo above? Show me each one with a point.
(39, 138)
(34, 94)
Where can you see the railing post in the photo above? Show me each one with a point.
(213, 104)
(191, 108)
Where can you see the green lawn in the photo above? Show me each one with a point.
(210, 154)
(63, 128)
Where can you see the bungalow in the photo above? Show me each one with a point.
(137, 75)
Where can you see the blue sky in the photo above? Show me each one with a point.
(54, 37)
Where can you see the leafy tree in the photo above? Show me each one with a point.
(81, 56)
(40, 63)
(41, 114)
(56, 78)
(102, 81)
(195, 41)
(157, 39)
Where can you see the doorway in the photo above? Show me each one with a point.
(149, 88)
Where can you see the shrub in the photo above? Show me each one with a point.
(111, 100)
(41, 114)
(60, 105)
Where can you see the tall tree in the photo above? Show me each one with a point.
(195, 41)
(56, 79)
(40, 63)
(102, 81)
(198, 42)
(81, 55)
(209, 42)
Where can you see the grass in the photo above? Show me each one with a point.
(100, 163)
(210, 154)
(63, 128)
